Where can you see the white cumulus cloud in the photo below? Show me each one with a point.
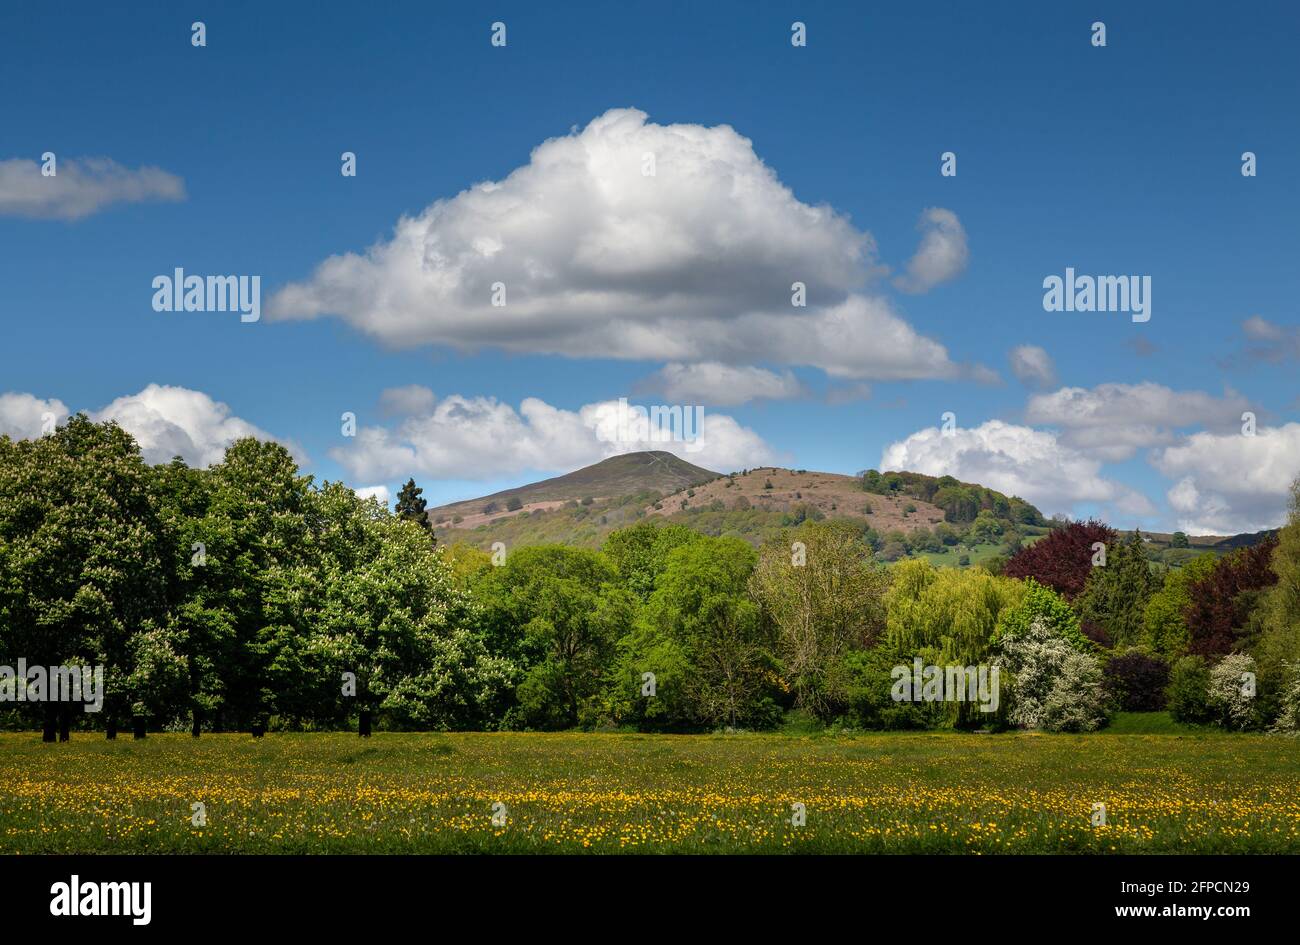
(1113, 421)
(481, 438)
(1015, 460)
(1228, 482)
(407, 400)
(598, 259)
(176, 421)
(80, 187)
(165, 421)
(724, 385)
(24, 416)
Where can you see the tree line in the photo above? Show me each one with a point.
(247, 597)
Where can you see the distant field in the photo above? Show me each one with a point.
(335, 793)
(950, 557)
(978, 554)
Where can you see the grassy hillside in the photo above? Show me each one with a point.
(773, 489)
(607, 484)
(754, 504)
(900, 513)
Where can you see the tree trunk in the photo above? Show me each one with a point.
(363, 724)
(110, 728)
(137, 726)
(65, 721)
(47, 733)
(194, 723)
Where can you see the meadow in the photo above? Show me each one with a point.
(575, 792)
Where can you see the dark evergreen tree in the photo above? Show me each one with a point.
(411, 505)
(1116, 594)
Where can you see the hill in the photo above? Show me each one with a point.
(899, 513)
(580, 508)
(647, 473)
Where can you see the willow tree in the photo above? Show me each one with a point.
(947, 615)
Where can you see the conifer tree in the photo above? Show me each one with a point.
(411, 505)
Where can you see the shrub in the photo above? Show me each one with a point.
(1231, 697)
(1136, 681)
(1042, 603)
(868, 682)
(1055, 686)
(1095, 632)
(892, 551)
(513, 504)
(1077, 700)
(1188, 692)
(994, 564)
(1288, 720)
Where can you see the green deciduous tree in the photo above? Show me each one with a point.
(702, 619)
(557, 613)
(81, 566)
(640, 553)
(824, 593)
(1164, 621)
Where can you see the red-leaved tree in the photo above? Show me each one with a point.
(1222, 601)
(1062, 560)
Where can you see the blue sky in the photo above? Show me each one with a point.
(1123, 159)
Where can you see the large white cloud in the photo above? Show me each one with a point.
(1113, 421)
(1229, 482)
(80, 187)
(176, 421)
(24, 416)
(165, 421)
(481, 438)
(1015, 460)
(599, 259)
(723, 385)
(942, 254)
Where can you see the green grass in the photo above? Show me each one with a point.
(1151, 723)
(572, 792)
(950, 556)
